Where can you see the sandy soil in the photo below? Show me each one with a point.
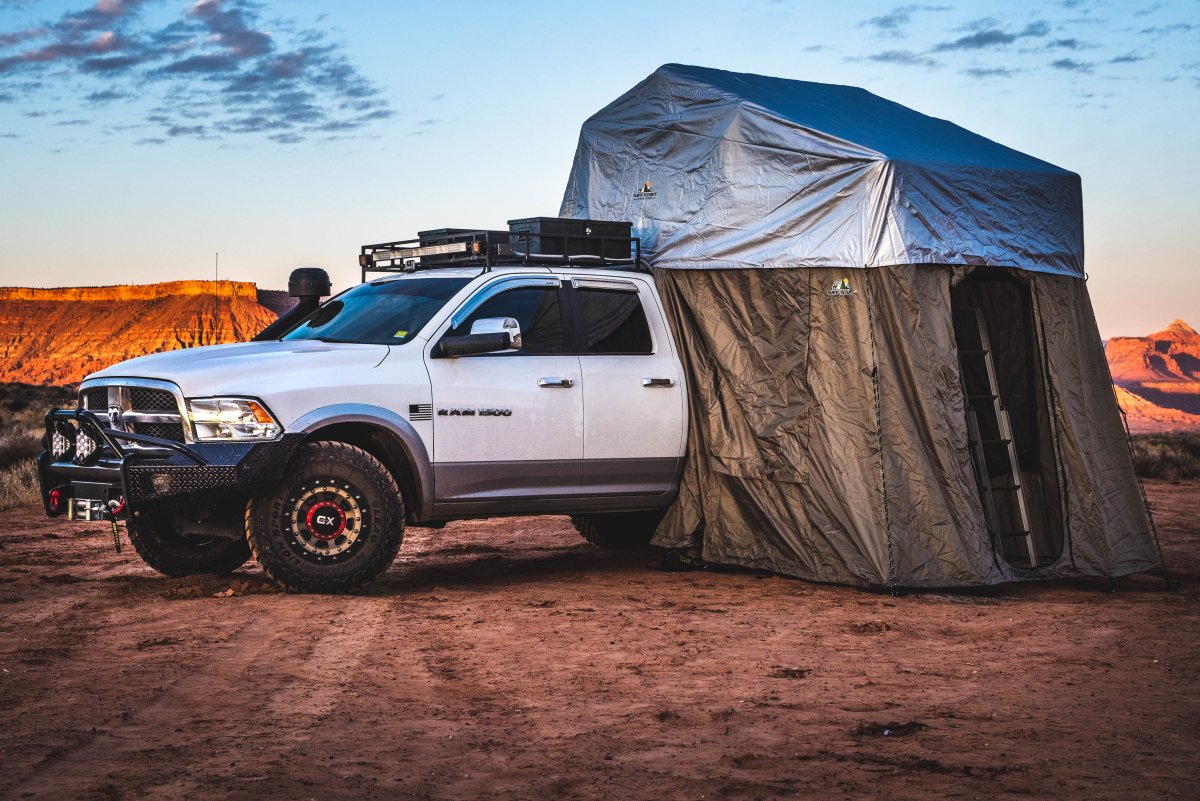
(507, 659)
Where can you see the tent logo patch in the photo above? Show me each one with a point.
(645, 193)
(841, 287)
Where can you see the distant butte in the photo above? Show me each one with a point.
(1158, 378)
(57, 336)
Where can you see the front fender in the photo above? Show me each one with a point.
(410, 441)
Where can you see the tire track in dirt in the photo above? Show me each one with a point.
(262, 676)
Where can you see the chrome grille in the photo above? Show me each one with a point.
(146, 399)
(95, 399)
(150, 411)
(171, 431)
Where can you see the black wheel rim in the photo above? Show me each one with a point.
(326, 520)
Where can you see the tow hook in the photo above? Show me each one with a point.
(114, 509)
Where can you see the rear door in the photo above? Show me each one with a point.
(633, 397)
(509, 425)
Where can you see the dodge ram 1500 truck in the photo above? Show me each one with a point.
(486, 373)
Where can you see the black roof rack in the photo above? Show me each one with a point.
(533, 240)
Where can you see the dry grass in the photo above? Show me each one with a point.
(1169, 457)
(23, 410)
(19, 485)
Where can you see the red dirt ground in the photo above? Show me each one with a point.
(507, 659)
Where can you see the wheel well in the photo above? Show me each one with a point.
(384, 446)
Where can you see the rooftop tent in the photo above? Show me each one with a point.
(894, 372)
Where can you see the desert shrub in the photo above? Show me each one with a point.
(23, 410)
(19, 485)
(1170, 457)
(19, 446)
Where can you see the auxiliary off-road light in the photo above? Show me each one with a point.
(231, 419)
(62, 441)
(85, 447)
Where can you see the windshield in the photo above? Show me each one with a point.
(389, 313)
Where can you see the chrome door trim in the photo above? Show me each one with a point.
(610, 284)
(493, 289)
(556, 383)
(658, 382)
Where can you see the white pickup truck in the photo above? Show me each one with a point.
(486, 374)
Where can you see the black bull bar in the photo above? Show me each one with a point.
(137, 469)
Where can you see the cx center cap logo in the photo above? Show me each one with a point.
(325, 520)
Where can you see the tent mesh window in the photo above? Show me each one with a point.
(1008, 416)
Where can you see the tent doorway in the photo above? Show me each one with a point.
(1008, 417)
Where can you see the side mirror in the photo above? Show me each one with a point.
(470, 345)
(499, 325)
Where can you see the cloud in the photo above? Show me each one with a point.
(988, 37)
(187, 130)
(206, 72)
(104, 96)
(904, 58)
(895, 20)
(16, 37)
(989, 72)
(1071, 65)
(1178, 27)
(1128, 58)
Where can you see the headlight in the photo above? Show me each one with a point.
(231, 419)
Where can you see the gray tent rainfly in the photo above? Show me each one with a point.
(894, 370)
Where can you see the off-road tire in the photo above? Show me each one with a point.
(618, 530)
(154, 537)
(327, 556)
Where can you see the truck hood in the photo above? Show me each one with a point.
(249, 368)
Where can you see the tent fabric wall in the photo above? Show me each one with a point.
(793, 468)
(936, 518)
(782, 471)
(1108, 530)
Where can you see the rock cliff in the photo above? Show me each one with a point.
(57, 336)
(1158, 378)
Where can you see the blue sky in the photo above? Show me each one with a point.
(138, 137)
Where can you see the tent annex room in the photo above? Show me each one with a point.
(895, 375)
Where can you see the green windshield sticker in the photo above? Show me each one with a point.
(401, 334)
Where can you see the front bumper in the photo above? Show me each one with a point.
(134, 470)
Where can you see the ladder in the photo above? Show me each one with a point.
(989, 431)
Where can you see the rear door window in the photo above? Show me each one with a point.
(614, 321)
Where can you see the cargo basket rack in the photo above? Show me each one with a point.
(537, 240)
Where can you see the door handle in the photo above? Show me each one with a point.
(657, 382)
(556, 383)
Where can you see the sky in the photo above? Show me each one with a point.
(138, 138)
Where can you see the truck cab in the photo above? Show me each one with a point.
(482, 374)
